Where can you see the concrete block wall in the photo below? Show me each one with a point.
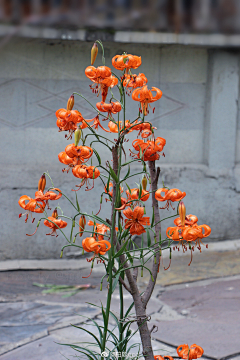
(198, 115)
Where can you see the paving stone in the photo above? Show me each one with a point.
(42, 314)
(215, 326)
(12, 335)
(43, 349)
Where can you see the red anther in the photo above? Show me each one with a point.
(206, 246)
(153, 110)
(178, 249)
(193, 248)
(174, 248)
(26, 218)
(20, 215)
(163, 154)
(65, 136)
(33, 220)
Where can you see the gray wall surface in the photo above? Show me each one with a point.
(198, 116)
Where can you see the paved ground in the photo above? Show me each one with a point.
(197, 304)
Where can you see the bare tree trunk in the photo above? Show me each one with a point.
(139, 302)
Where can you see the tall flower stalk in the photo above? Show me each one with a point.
(111, 241)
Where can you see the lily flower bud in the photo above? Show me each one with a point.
(42, 183)
(182, 212)
(82, 223)
(70, 103)
(77, 136)
(144, 182)
(94, 52)
(55, 213)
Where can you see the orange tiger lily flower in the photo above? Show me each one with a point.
(145, 129)
(124, 204)
(99, 228)
(150, 149)
(32, 205)
(69, 116)
(134, 194)
(195, 233)
(171, 195)
(136, 220)
(192, 352)
(189, 220)
(66, 160)
(189, 234)
(103, 78)
(90, 244)
(97, 124)
(114, 127)
(108, 83)
(67, 119)
(49, 195)
(128, 61)
(81, 153)
(159, 357)
(134, 81)
(145, 96)
(85, 172)
(98, 74)
(112, 108)
(54, 224)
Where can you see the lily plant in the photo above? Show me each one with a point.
(112, 241)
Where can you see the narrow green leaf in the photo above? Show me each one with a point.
(97, 156)
(78, 207)
(125, 233)
(100, 220)
(153, 218)
(104, 319)
(127, 174)
(142, 241)
(75, 347)
(115, 282)
(107, 187)
(140, 192)
(90, 333)
(121, 250)
(129, 256)
(128, 188)
(148, 238)
(140, 152)
(113, 175)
